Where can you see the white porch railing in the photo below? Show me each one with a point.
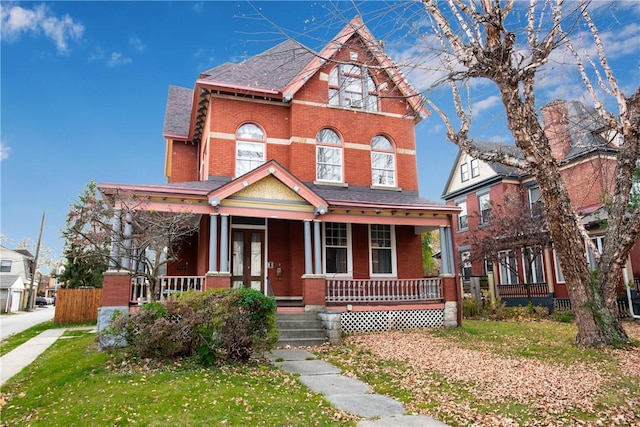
(376, 290)
(168, 285)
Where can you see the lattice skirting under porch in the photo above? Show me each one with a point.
(389, 320)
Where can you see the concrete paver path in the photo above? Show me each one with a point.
(347, 394)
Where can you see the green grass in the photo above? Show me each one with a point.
(20, 338)
(74, 384)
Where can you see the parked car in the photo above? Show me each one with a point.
(41, 302)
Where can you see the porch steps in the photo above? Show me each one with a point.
(300, 330)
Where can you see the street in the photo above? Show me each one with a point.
(17, 322)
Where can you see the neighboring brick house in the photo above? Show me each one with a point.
(587, 159)
(303, 168)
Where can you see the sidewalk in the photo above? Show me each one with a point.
(347, 394)
(22, 356)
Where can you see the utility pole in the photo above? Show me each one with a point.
(35, 265)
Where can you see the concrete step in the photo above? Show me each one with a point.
(300, 329)
(301, 342)
(302, 333)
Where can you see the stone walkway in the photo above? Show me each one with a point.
(347, 394)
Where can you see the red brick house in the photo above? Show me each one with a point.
(303, 168)
(587, 157)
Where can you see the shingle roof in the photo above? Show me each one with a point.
(584, 127)
(178, 112)
(366, 195)
(272, 70)
(7, 280)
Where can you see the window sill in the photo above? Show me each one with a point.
(332, 183)
(383, 187)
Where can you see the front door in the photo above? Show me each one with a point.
(248, 259)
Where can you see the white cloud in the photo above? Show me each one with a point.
(136, 43)
(486, 104)
(117, 59)
(4, 151)
(17, 21)
(97, 54)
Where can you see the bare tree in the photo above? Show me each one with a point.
(483, 41)
(119, 231)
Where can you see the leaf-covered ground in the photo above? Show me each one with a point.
(483, 383)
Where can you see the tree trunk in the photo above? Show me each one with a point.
(597, 325)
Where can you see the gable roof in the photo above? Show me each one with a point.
(501, 171)
(276, 73)
(267, 72)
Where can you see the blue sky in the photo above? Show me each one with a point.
(84, 88)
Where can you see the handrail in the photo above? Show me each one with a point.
(169, 285)
(377, 290)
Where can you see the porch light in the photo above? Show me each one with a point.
(321, 210)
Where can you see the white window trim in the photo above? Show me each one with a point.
(394, 260)
(466, 213)
(557, 268)
(539, 257)
(332, 147)
(483, 220)
(349, 273)
(502, 269)
(477, 168)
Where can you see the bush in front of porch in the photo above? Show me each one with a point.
(216, 326)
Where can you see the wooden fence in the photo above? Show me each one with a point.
(77, 305)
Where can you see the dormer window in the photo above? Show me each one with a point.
(328, 156)
(383, 169)
(464, 172)
(351, 86)
(475, 168)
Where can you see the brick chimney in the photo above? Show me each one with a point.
(555, 122)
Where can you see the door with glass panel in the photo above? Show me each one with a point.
(248, 259)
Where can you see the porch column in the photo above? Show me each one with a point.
(316, 250)
(307, 248)
(224, 243)
(114, 254)
(128, 229)
(446, 251)
(213, 242)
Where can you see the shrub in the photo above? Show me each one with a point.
(215, 326)
(564, 316)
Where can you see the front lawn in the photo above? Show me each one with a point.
(73, 384)
(491, 373)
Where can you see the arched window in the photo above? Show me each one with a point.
(328, 156)
(249, 148)
(351, 86)
(383, 164)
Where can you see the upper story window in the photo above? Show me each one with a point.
(484, 202)
(328, 156)
(475, 168)
(5, 266)
(351, 86)
(464, 172)
(250, 148)
(463, 222)
(336, 241)
(383, 168)
(381, 241)
(535, 201)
